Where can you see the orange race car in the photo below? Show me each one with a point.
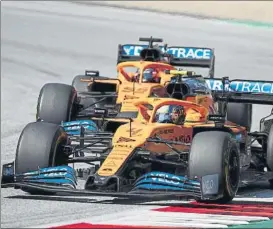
(140, 73)
(176, 148)
(143, 64)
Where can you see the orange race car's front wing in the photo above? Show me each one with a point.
(61, 181)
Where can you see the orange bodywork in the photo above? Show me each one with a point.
(132, 135)
(127, 87)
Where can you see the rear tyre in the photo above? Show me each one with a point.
(220, 156)
(56, 103)
(40, 145)
(240, 114)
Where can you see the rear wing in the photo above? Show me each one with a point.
(179, 55)
(242, 91)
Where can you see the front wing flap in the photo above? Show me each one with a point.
(61, 180)
(134, 195)
(55, 176)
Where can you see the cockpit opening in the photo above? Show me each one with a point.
(174, 114)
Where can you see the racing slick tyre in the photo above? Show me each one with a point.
(240, 113)
(56, 103)
(215, 152)
(269, 153)
(40, 145)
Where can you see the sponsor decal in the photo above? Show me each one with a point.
(122, 146)
(177, 52)
(182, 138)
(48, 170)
(76, 125)
(166, 178)
(136, 90)
(210, 184)
(123, 139)
(166, 131)
(242, 86)
(57, 174)
(134, 131)
(190, 53)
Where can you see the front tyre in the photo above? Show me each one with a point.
(40, 145)
(216, 152)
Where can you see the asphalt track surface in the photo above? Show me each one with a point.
(53, 41)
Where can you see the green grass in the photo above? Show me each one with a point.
(249, 23)
(262, 224)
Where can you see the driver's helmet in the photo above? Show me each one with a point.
(148, 75)
(162, 114)
(177, 113)
(170, 114)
